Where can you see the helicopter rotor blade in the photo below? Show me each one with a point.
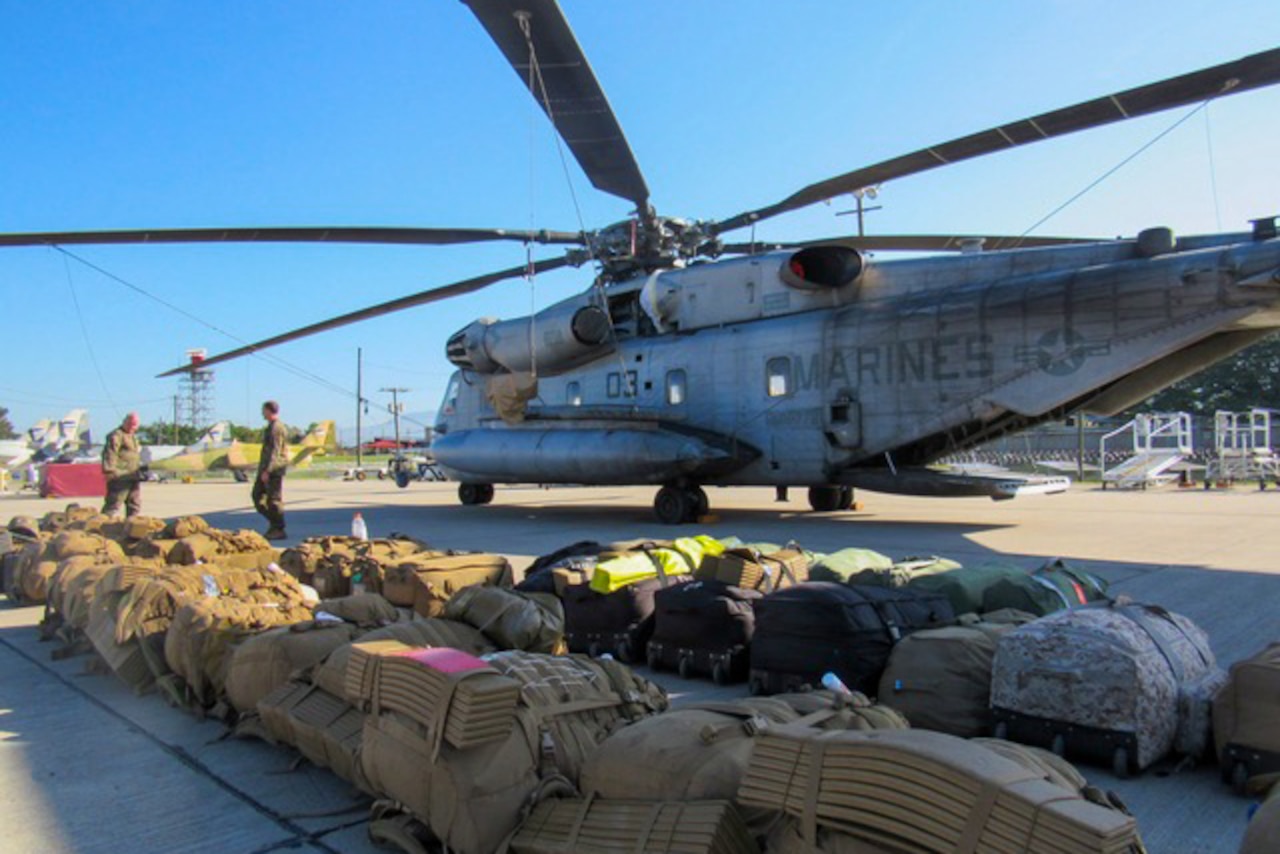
(1241, 75)
(574, 101)
(304, 234)
(443, 292)
(911, 243)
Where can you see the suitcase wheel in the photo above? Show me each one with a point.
(1240, 778)
(1059, 745)
(593, 649)
(623, 651)
(720, 673)
(1120, 763)
(685, 668)
(1001, 731)
(654, 658)
(755, 686)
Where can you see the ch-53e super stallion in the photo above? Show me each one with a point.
(693, 361)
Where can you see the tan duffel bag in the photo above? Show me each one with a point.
(532, 622)
(332, 674)
(263, 662)
(426, 581)
(198, 645)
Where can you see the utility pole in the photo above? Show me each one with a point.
(175, 419)
(1079, 444)
(862, 209)
(359, 399)
(396, 408)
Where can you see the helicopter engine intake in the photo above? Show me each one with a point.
(819, 268)
(554, 340)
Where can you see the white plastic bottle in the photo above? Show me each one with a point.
(359, 530)
(832, 682)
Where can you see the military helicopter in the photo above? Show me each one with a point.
(693, 361)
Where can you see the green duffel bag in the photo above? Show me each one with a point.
(844, 565)
(967, 588)
(1050, 588)
(904, 571)
(940, 679)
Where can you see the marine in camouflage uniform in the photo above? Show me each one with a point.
(122, 465)
(268, 486)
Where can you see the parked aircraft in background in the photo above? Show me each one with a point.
(217, 451)
(48, 439)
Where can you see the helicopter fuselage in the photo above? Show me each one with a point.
(818, 367)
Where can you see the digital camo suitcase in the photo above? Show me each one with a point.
(619, 623)
(703, 628)
(805, 631)
(1115, 683)
(1246, 719)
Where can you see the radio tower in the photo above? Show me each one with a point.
(195, 390)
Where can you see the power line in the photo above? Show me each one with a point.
(1114, 169)
(271, 359)
(84, 332)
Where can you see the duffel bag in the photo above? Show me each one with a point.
(806, 631)
(1118, 683)
(843, 566)
(967, 587)
(532, 622)
(941, 678)
(1050, 588)
(1245, 716)
(427, 580)
(263, 662)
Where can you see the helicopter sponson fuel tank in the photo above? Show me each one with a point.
(603, 452)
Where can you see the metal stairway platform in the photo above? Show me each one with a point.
(1142, 470)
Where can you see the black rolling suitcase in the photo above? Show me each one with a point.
(619, 623)
(539, 576)
(703, 628)
(805, 631)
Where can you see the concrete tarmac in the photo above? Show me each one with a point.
(85, 766)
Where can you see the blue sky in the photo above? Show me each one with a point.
(165, 114)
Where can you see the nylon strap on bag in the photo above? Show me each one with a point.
(642, 839)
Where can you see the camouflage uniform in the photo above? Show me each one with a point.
(121, 459)
(268, 496)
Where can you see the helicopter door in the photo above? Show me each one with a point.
(844, 420)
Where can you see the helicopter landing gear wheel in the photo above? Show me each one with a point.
(846, 498)
(701, 504)
(473, 494)
(674, 505)
(826, 499)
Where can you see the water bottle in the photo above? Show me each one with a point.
(359, 530)
(832, 682)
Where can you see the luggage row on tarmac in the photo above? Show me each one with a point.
(1043, 657)
(464, 707)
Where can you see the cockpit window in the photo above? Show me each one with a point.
(778, 376)
(451, 395)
